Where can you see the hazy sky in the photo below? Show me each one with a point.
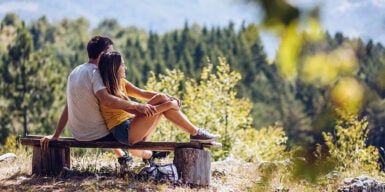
(354, 18)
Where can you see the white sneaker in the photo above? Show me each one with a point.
(204, 136)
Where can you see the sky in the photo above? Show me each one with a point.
(354, 18)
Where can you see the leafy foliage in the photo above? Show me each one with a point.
(255, 146)
(348, 146)
(212, 103)
(10, 145)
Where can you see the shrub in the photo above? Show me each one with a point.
(212, 103)
(348, 146)
(10, 145)
(266, 144)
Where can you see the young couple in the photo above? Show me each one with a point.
(98, 107)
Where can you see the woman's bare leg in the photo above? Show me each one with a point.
(141, 126)
(179, 119)
(136, 136)
(118, 152)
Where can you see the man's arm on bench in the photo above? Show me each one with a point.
(44, 142)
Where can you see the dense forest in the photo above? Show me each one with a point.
(36, 58)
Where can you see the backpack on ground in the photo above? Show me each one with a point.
(159, 173)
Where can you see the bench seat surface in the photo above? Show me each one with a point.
(34, 140)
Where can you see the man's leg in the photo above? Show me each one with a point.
(124, 158)
(118, 152)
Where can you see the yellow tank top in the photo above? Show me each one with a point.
(114, 117)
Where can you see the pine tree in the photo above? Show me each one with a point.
(16, 73)
(31, 81)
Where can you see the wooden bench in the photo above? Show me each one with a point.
(191, 160)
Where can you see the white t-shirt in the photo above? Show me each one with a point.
(84, 117)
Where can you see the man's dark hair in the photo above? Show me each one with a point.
(97, 45)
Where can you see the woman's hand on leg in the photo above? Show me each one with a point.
(147, 109)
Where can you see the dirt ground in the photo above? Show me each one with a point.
(227, 175)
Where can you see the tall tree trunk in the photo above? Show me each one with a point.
(24, 105)
(25, 122)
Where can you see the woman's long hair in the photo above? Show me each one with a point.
(109, 66)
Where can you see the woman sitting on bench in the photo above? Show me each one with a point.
(130, 127)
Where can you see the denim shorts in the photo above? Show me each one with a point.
(121, 132)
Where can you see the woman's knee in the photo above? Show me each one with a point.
(159, 99)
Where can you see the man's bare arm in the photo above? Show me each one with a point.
(115, 102)
(62, 122)
(44, 142)
(118, 103)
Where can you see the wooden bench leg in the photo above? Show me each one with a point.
(193, 165)
(51, 161)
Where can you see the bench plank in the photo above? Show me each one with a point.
(34, 140)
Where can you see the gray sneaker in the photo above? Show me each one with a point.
(204, 136)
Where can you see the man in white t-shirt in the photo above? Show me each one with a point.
(85, 90)
(85, 120)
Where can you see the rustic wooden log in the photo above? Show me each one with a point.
(193, 165)
(50, 161)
